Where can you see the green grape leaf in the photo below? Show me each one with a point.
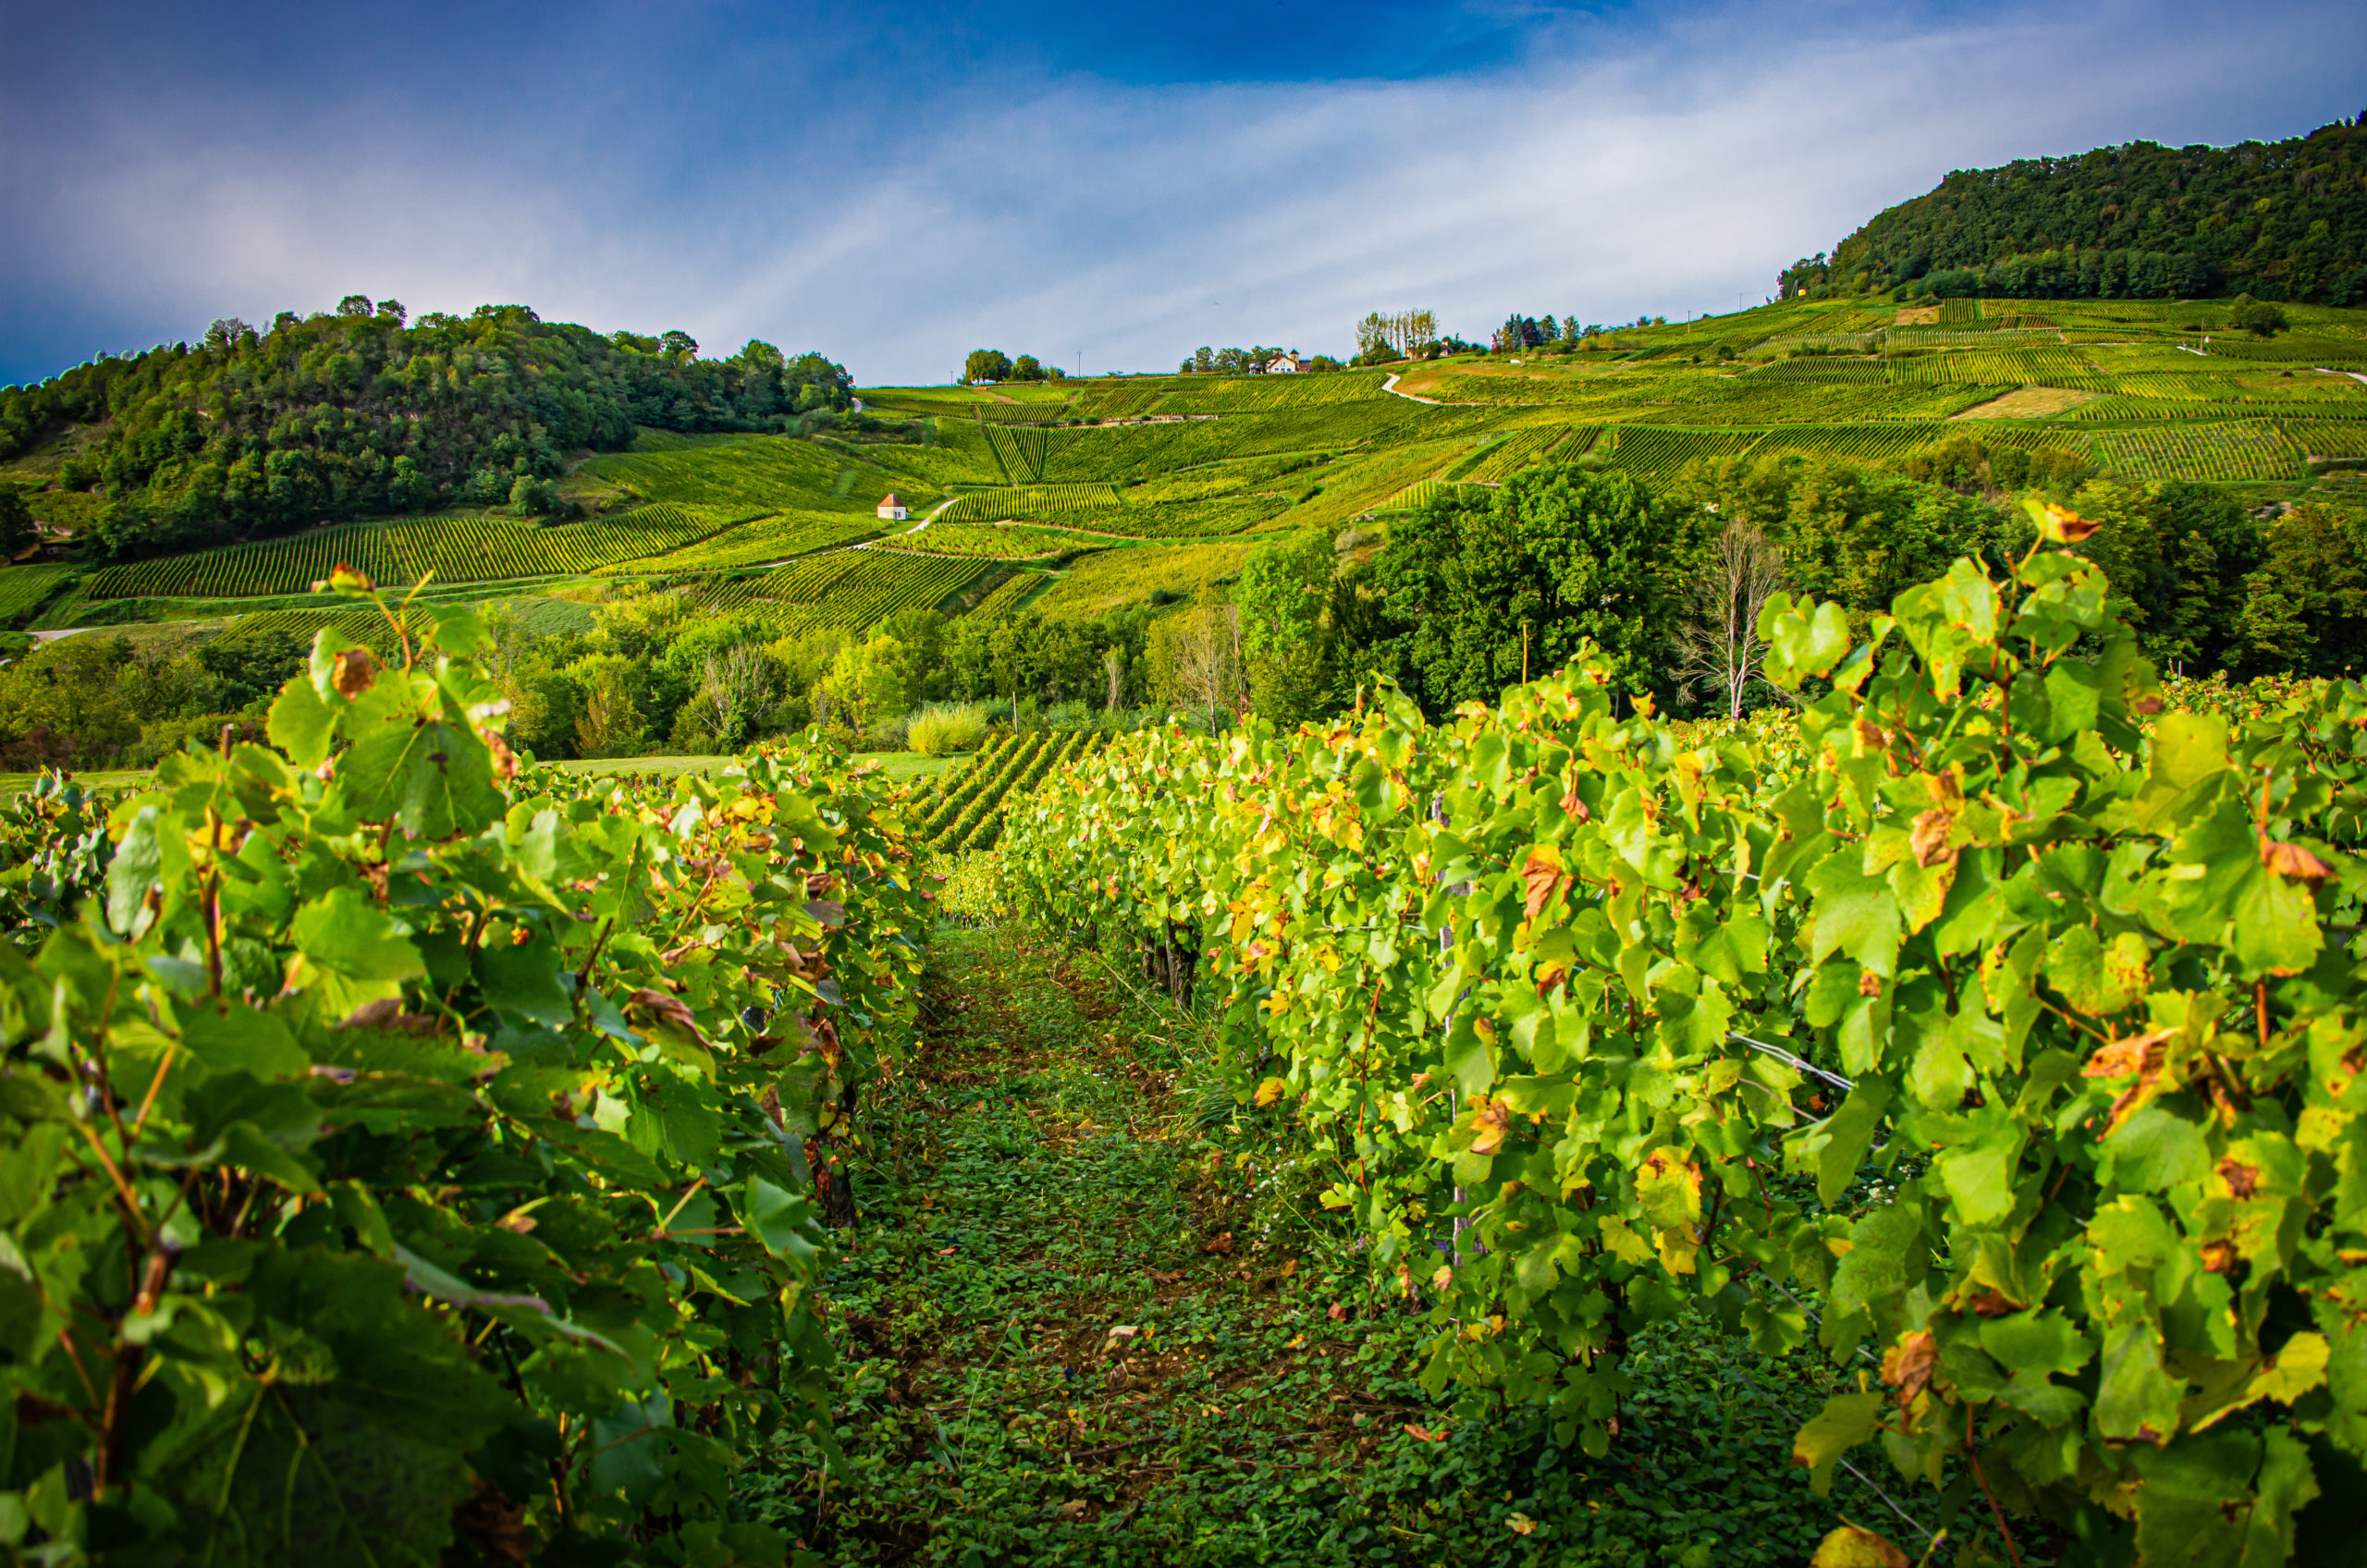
(233, 1037)
(350, 949)
(782, 1221)
(1846, 1421)
(1979, 1174)
(301, 724)
(2138, 1398)
(1856, 914)
(1801, 642)
(133, 876)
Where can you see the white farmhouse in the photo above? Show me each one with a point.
(891, 509)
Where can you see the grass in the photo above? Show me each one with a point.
(1088, 1316)
(2029, 402)
(1110, 580)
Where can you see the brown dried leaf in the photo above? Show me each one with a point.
(1908, 1365)
(2292, 860)
(1930, 840)
(664, 1010)
(1492, 1120)
(2242, 1180)
(2064, 526)
(1543, 876)
(2138, 1053)
(357, 672)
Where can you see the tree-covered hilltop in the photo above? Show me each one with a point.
(359, 412)
(2281, 220)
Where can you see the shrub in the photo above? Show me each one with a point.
(941, 728)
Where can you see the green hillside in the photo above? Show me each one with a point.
(1055, 531)
(362, 411)
(2283, 220)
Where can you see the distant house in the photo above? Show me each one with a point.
(891, 509)
(1285, 364)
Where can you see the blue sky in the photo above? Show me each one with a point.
(1102, 184)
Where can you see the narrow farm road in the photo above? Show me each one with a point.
(1080, 1323)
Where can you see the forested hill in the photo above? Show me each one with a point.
(2280, 220)
(362, 411)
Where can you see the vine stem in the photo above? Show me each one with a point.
(2012, 1550)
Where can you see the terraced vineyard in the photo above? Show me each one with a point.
(1111, 579)
(2000, 367)
(1009, 595)
(24, 589)
(963, 811)
(455, 549)
(1862, 443)
(1033, 500)
(760, 540)
(2329, 437)
(845, 590)
(1665, 451)
(2245, 449)
(1554, 443)
(983, 540)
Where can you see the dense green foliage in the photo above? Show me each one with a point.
(2285, 220)
(1596, 1019)
(402, 1151)
(1097, 1316)
(354, 412)
(1488, 585)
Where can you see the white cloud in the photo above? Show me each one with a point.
(1606, 172)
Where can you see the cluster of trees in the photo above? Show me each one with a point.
(993, 364)
(1384, 337)
(361, 411)
(2284, 220)
(94, 701)
(1205, 361)
(1483, 587)
(1540, 332)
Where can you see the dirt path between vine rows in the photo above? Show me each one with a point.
(1079, 1323)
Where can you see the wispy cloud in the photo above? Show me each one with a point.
(1607, 167)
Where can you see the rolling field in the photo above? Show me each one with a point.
(461, 549)
(1110, 580)
(1198, 468)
